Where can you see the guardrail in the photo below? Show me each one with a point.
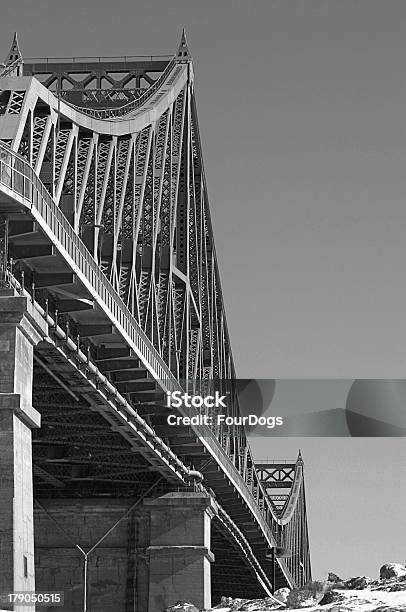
(17, 174)
(109, 113)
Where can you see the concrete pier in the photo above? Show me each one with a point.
(21, 328)
(154, 557)
(179, 553)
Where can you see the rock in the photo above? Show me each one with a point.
(282, 594)
(331, 597)
(229, 602)
(272, 605)
(400, 585)
(333, 577)
(358, 583)
(182, 606)
(392, 570)
(246, 605)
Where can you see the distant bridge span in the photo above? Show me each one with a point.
(106, 237)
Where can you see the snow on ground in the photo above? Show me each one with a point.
(359, 594)
(379, 596)
(366, 600)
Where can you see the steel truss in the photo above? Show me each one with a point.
(106, 219)
(291, 509)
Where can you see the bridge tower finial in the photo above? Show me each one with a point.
(299, 457)
(14, 59)
(183, 53)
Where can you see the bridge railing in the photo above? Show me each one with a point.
(17, 174)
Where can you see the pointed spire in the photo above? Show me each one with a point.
(14, 58)
(183, 53)
(299, 457)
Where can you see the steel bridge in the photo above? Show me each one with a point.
(105, 235)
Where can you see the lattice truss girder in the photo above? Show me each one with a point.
(97, 82)
(139, 203)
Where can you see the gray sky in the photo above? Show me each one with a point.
(302, 115)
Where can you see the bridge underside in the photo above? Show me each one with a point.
(81, 449)
(79, 461)
(83, 452)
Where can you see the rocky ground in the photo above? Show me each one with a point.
(359, 594)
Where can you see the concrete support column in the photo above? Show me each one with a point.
(21, 328)
(179, 551)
